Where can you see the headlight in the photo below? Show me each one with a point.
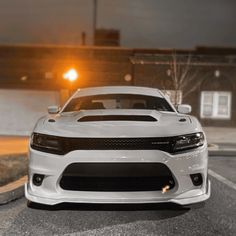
(189, 141)
(47, 143)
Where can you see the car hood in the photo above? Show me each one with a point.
(118, 123)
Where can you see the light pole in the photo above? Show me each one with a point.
(94, 19)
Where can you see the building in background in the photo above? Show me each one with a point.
(31, 78)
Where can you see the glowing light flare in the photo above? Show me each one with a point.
(71, 75)
(165, 189)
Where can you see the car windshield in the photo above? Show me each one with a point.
(118, 101)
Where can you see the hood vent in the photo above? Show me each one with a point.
(182, 119)
(117, 118)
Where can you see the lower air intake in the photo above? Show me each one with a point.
(116, 177)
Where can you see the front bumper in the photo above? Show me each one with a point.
(181, 166)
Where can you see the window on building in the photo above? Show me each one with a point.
(216, 105)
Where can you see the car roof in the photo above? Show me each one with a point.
(118, 90)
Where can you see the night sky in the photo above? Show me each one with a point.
(143, 23)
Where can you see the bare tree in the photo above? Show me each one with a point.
(183, 76)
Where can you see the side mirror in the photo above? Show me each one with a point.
(184, 109)
(53, 109)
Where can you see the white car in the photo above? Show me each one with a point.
(118, 144)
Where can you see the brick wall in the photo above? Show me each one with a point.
(108, 66)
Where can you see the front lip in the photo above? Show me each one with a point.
(127, 198)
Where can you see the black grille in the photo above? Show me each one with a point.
(71, 144)
(116, 177)
(119, 143)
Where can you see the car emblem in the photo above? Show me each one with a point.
(159, 143)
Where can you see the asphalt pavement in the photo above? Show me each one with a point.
(224, 166)
(216, 217)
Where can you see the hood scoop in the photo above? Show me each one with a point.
(117, 118)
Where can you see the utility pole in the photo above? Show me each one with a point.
(94, 19)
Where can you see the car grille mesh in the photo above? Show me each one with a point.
(164, 144)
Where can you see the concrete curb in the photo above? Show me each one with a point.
(222, 153)
(12, 191)
(13, 154)
(222, 149)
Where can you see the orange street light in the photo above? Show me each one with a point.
(71, 75)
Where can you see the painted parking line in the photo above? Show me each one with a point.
(222, 179)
